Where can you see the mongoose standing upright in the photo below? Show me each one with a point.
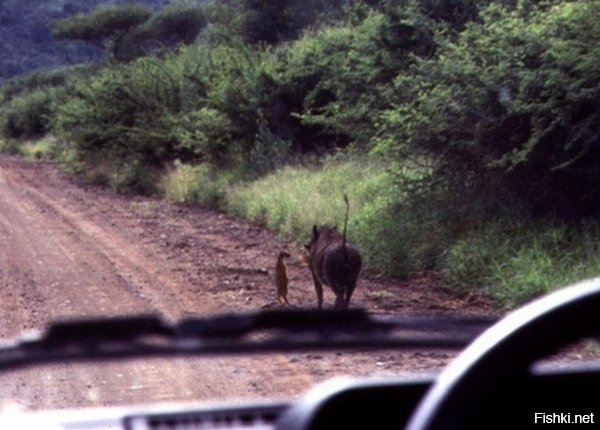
(281, 279)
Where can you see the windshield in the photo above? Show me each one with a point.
(412, 158)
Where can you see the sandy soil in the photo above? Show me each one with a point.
(68, 250)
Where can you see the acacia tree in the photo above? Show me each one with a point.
(272, 22)
(176, 23)
(123, 32)
(107, 28)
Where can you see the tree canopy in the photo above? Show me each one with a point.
(123, 31)
(179, 22)
(105, 27)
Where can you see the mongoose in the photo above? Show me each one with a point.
(281, 279)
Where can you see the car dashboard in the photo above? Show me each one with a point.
(348, 403)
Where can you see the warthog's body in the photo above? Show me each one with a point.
(335, 263)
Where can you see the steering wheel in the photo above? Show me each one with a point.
(503, 354)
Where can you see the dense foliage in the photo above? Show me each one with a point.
(26, 103)
(510, 108)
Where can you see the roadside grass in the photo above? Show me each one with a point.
(517, 261)
(44, 148)
(293, 199)
(393, 237)
(11, 147)
(39, 149)
(199, 184)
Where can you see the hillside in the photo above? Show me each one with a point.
(26, 41)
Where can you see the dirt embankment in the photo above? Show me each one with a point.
(69, 250)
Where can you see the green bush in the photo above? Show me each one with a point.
(125, 116)
(46, 148)
(27, 116)
(269, 152)
(263, 22)
(27, 102)
(124, 113)
(133, 176)
(335, 78)
(11, 147)
(35, 81)
(509, 108)
(233, 123)
(205, 134)
(202, 104)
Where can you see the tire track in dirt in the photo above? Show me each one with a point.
(58, 265)
(56, 269)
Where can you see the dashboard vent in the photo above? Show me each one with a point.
(244, 418)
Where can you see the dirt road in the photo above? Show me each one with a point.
(69, 250)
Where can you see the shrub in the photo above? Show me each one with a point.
(35, 81)
(45, 148)
(205, 134)
(263, 22)
(124, 113)
(334, 78)
(508, 109)
(11, 147)
(269, 152)
(199, 105)
(27, 116)
(236, 113)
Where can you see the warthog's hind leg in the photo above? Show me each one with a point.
(349, 291)
(319, 290)
(342, 299)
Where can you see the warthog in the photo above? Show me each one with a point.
(334, 262)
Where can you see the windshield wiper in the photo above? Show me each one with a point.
(259, 332)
